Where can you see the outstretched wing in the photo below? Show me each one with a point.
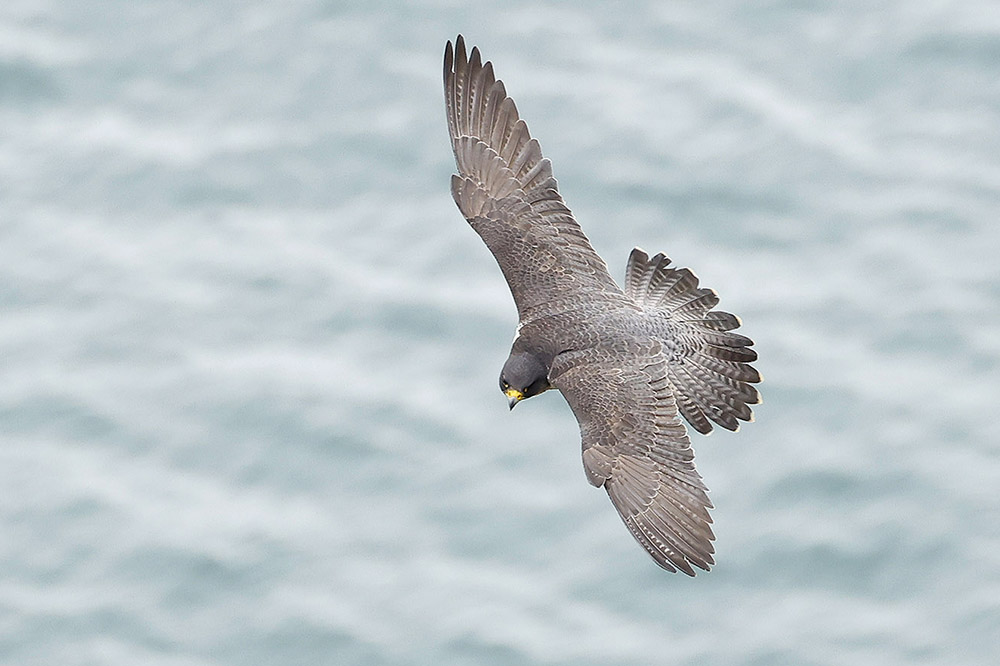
(505, 189)
(635, 445)
(708, 366)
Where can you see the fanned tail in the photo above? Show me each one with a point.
(709, 367)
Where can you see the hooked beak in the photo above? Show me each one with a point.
(514, 396)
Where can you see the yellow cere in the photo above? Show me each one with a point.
(514, 393)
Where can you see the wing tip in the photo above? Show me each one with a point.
(449, 56)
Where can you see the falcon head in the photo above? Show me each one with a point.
(523, 376)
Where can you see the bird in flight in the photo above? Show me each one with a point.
(630, 362)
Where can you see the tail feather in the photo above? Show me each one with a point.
(722, 321)
(637, 274)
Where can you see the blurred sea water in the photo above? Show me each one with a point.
(248, 409)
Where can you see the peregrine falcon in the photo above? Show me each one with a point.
(630, 362)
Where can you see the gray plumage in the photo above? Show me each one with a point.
(629, 363)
